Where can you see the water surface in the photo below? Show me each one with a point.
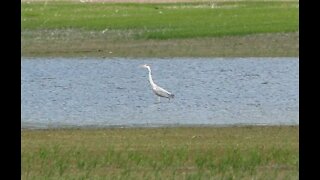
(59, 92)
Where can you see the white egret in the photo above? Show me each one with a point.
(159, 91)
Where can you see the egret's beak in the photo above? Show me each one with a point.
(141, 66)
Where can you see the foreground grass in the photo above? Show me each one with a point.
(164, 29)
(162, 153)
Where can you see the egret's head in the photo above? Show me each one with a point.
(145, 66)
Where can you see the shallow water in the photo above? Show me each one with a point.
(58, 92)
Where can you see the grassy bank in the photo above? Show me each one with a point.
(200, 29)
(162, 153)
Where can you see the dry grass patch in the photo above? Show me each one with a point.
(77, 44)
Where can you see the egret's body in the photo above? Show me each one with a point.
(159, 91)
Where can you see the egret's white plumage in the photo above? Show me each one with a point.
(159, 91)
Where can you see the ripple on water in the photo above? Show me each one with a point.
(115, 92)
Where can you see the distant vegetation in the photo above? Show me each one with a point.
(165, 21)
(197, 29)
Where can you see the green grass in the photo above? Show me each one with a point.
(199, 29)
(162, 153)
(164, 21)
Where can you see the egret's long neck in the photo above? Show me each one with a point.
(150, 77)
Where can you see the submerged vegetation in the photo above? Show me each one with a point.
(100, 28)
(162, 153)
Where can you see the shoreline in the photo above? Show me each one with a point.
(151, 1)
(255, 45)
(153, 126)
